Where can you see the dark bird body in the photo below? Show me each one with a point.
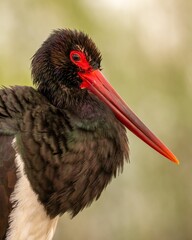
(65, 141)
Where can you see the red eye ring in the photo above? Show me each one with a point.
(79, 59)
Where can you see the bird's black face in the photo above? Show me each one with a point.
(61, 57)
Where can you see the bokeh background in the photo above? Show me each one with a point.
(147, 56)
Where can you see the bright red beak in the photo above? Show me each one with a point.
(97, 84)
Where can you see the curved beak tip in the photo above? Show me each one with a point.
(171, 156)
(175, 160)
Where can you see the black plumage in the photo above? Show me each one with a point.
(7, 181)
(71, 142)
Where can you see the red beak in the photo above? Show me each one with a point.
(97, 84)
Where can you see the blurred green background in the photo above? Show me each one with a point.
(147, 56)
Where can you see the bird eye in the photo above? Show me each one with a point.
(79, 59)
(76, 57)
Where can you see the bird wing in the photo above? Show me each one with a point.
(7, 157)
(40, 131)
(14, 102)
(7, 180)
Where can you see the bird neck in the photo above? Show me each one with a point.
(80, 104)
(61, 96)
(83, 103)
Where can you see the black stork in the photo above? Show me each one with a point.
(61, 143)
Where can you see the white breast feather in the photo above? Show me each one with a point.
(28, 220)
